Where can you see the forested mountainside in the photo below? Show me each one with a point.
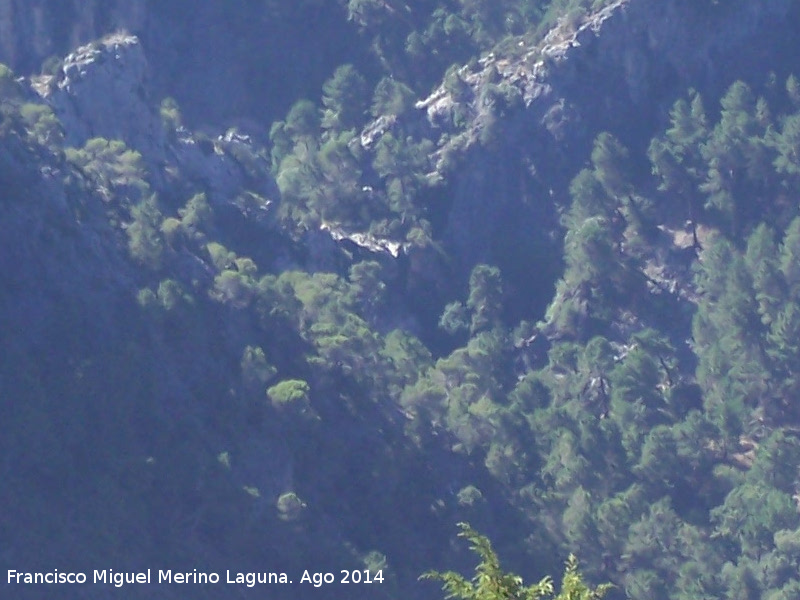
(293, 286)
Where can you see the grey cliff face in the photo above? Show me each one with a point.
(618, 70)
(219, 63)
(33, 30)
(103, 91)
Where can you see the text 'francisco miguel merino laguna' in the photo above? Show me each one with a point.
(118, 579)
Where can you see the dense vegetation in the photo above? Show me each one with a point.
(186, 381)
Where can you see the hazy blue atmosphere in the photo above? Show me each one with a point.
(305, 299)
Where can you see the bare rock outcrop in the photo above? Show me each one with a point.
(102, 91)
(33, 30)
(514, 127)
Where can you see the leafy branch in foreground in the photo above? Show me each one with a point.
(491, 583)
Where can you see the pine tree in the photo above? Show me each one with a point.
(344, 97)
(793, 90)
(610, 160)
(787, 144)
(676, 157)
(485, 299)
(790, 259)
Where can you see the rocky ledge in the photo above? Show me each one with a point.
(618, 69)
(103, 89)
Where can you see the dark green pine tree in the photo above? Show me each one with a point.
(637, 404)
(761, 259)
(345, 97)
(589, 199)
(485, 299)
(793, 90)
(677, 159)
(790, 259)
(787, 144)
(611, 161)
(737, 154)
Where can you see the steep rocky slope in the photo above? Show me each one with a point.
(193, 459)
(130, 434)
(73, 321)
(517, 126)
(221, 64)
